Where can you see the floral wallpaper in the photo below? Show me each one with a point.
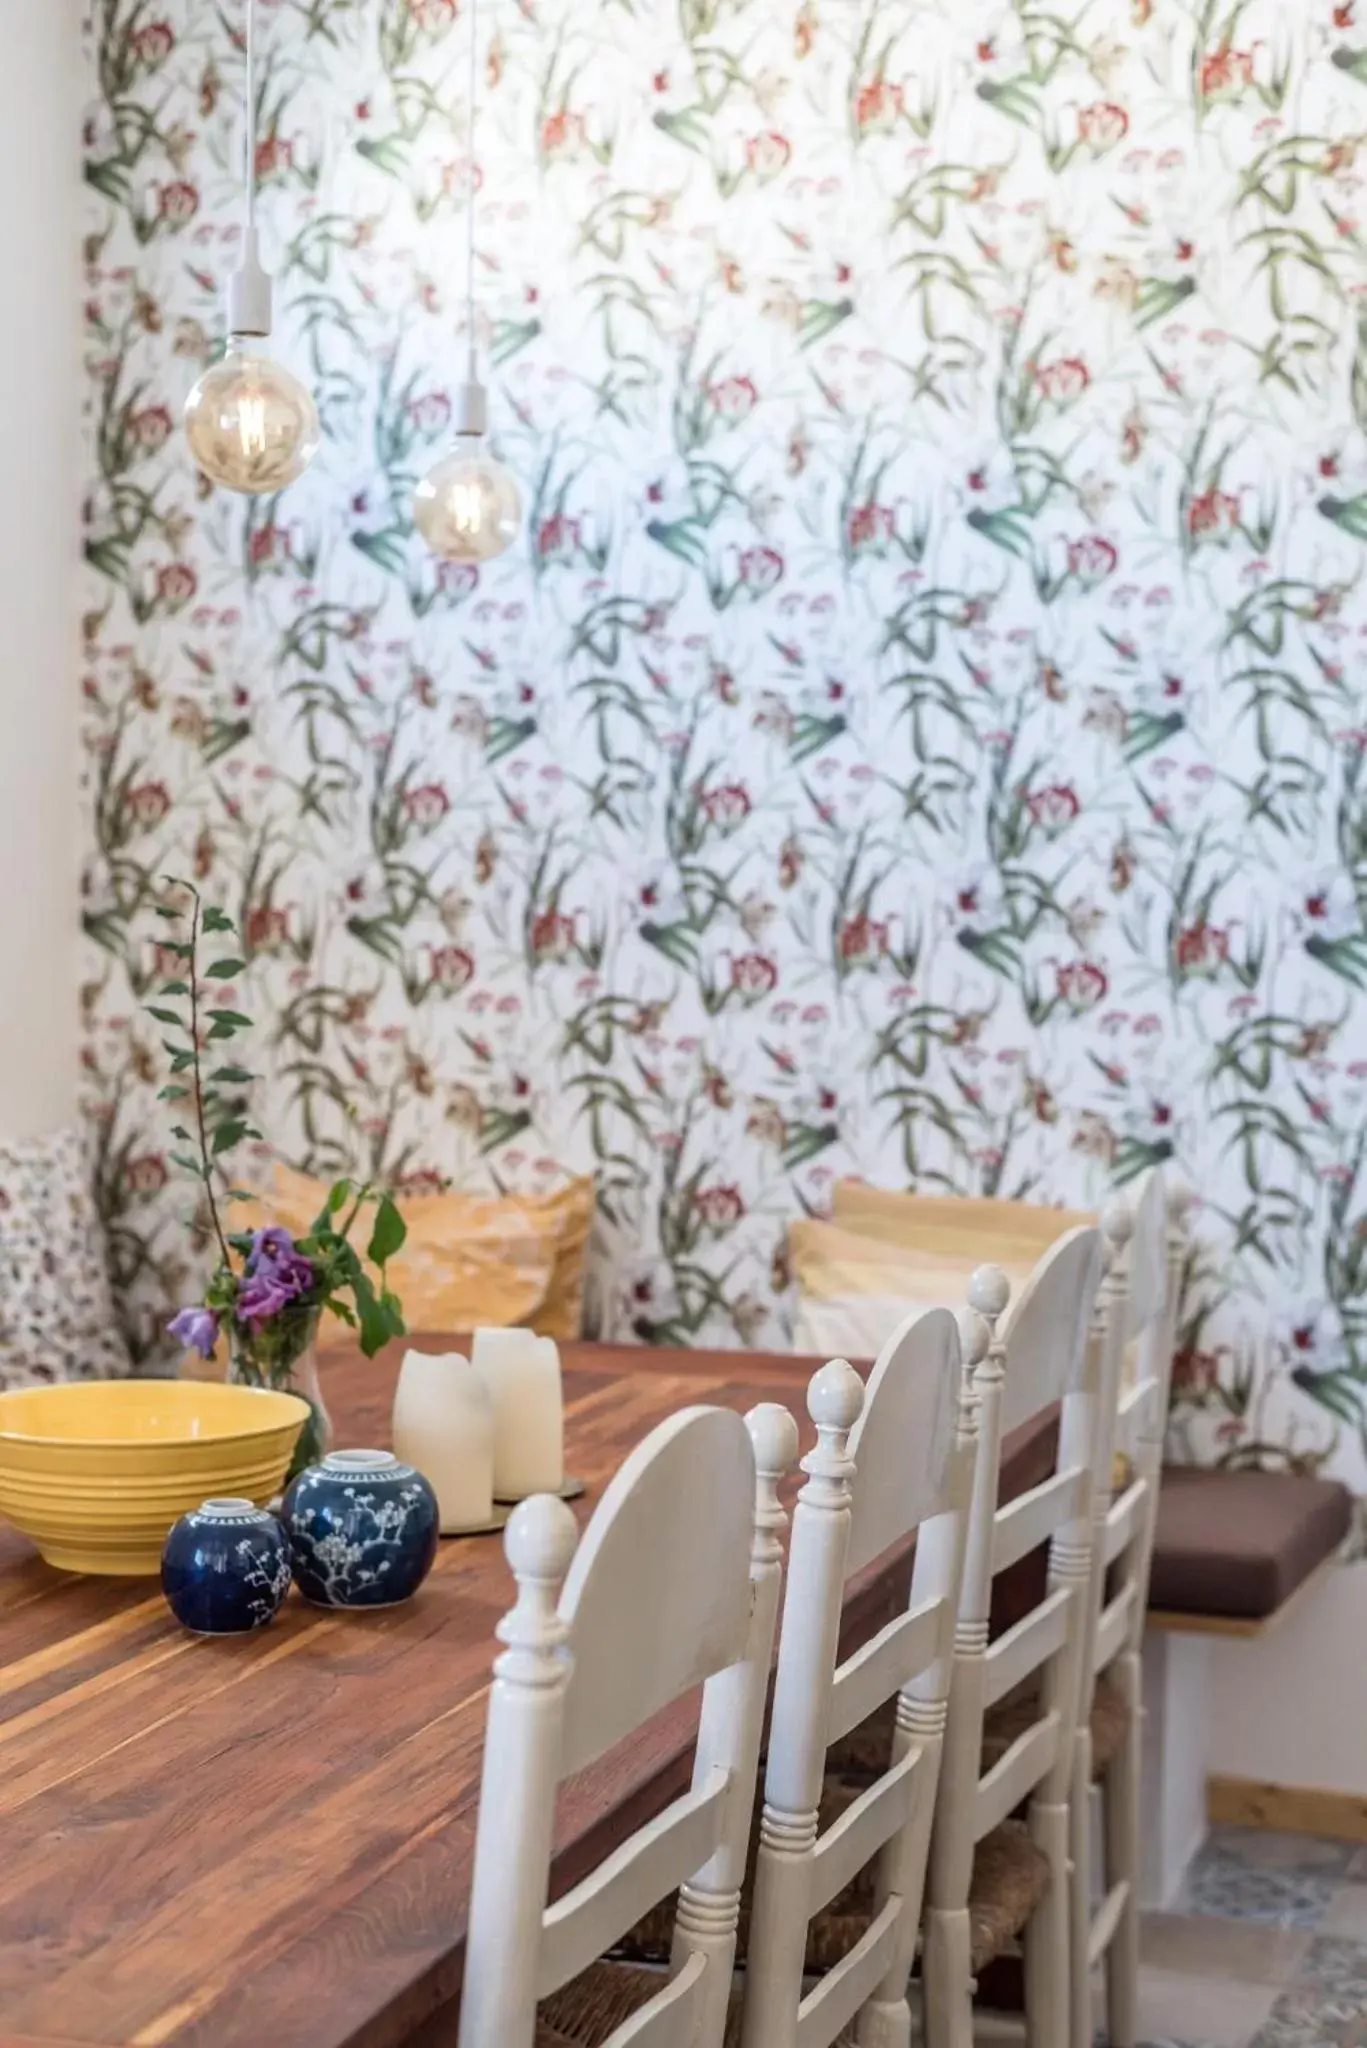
(923, 732)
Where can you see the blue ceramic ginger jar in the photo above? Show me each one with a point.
(362, 1530)
(226, 1568)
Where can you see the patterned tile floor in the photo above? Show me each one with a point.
(1266, 1948)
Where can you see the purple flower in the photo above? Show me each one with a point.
(196, 1328)
(269, 1245)
(295, 1274)
(261, 1298)
(273, 1258)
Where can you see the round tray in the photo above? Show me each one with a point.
(571, 1490)
(498, 1520)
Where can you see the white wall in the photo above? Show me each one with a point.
(1291, 1707)
(40, 263)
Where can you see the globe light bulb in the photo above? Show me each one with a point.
(251, 425)
(467, 507)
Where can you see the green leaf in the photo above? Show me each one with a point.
(175, 988)
(226, 970)
(215, 920)
(227, 1135)
(1346, 957)
(1007, 528)
(375, 1328)
(166, 1017)
(1354, 62)
(675, 941)
(339, 1194)
(160, 910)
(820, 317)
(172, 1094)
(233, 1077)
(1159, 296)
(180, 1060)
(1337, 1391)
(388, 1235)
(1348, 513)
(189, 1162)
(808, 1141)
(234, 1019)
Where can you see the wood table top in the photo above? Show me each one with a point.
(265, 1841)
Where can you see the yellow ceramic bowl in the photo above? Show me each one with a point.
(96, 1472)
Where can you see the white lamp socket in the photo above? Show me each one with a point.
(472, 408)
(249, 292)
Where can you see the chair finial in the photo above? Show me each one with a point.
(539, 1542)
(1117, 1223)
(773, 1432)
(974, 1338)
(989, 1290)
(835, 1396)
(540, 1539)
(835, 1402)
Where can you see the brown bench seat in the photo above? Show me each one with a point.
(1235, 1546)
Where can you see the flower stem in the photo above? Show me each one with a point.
(205, 1160)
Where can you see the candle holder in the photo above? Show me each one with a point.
(571, 1489)
(522, 1374)
(444, 1423)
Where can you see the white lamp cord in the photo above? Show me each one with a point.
(251, 115)
(249, 288)
(473, 53)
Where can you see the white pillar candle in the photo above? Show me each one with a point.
(444, 1428)
(522, 1374)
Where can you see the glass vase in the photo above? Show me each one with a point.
(284, 1355)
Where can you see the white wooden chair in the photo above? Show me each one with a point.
(1040, 1355)
(675, 1583)
(905, 1463)
(1106, 1777)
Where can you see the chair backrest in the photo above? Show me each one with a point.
(885, 1465)
(674, 1584)
(1126, 1525)
(1035, 1355)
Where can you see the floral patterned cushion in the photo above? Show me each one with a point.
(56, 1313)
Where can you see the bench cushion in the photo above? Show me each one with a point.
(1240, 1543)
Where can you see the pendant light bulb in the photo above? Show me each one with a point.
(468, 507)
(252, 426)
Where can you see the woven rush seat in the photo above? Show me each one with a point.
(594, 2004)
(1011, 1717)
(865, 1750)
(1010, 1876)
(649, 1940)
(591, 2006)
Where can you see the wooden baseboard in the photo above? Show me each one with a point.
(1287, 1809)
(1238, 1625)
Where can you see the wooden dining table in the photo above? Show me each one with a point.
(265, 1841)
